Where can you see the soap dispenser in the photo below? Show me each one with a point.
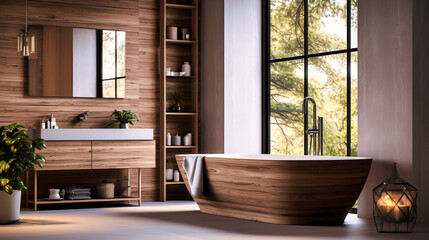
(53, 121)
(43, 124)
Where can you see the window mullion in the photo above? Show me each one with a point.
(349, 77)
(305, 73)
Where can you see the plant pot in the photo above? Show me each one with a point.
(177, 107)
(124, 125)
(10, 206)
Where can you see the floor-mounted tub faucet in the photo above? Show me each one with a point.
(317, 128)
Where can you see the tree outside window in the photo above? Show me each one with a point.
(311, 50)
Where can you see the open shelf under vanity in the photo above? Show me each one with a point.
(94, 200)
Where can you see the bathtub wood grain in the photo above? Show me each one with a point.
(281, 192)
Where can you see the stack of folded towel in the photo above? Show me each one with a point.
(78, 193)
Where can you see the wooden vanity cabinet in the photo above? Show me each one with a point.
(67, 155)
(117, 154)
(75, 155)
(93, 155)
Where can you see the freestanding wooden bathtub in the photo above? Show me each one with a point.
(281, 189)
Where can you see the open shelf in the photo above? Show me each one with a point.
(179, 6)
(119, 199)
(174, 183)
(180, 41)
(172, 147)
(180, 76)
(180, 114)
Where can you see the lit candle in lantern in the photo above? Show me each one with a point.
(393, 211)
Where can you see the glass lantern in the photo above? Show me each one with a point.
(394, 205)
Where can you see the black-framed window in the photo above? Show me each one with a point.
(111, 66)
(309, 49)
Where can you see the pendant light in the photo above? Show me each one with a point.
(26, 42)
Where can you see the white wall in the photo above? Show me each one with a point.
(393, 96)
(243, 102)
(231, 76)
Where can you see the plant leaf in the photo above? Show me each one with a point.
(13, 149)
(4, 166)
(8, 189)
(4, 181)
(41, 157)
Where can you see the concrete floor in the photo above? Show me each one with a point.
(175, 220)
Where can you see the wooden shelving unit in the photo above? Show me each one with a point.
(179, 13)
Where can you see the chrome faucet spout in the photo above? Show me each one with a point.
(83, 116)
(305, 109)
(317, 128)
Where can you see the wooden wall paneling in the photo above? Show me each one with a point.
(121, 154)
(149, 55)
(139, 18)
(66, 155)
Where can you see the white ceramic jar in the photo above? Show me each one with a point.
(169, 174)
(176, 140)
(187, 69)
(168, 143)
(176, 176)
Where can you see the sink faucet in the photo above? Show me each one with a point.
(317, 128)
(83, 116)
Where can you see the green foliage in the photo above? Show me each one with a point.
(124, 116)
(327, 82)
(176, 96)
(17, 155)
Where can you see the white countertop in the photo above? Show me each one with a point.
(88, 134)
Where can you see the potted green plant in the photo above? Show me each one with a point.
(124, 118)
(17, 155)
(176, 96)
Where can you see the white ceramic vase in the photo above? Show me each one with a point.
(10, 206)
(54, 194)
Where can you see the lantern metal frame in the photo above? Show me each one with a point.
(394, 205)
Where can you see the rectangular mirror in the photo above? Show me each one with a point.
(77, 62)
